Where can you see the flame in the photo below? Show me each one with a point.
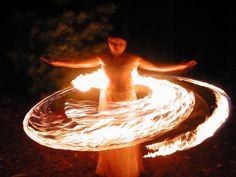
(124, 123)
(203, 131)
(96, 79)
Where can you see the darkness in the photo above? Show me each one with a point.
(165, 31)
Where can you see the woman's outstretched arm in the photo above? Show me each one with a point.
(143, 64)
(73, 63)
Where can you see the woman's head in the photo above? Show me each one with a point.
(116, 45)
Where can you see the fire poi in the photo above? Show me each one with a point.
(78, 124)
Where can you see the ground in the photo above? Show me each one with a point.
(20, 156)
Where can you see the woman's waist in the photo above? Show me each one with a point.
(120, 87)
(119, 94)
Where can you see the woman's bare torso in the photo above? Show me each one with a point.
(118, 70)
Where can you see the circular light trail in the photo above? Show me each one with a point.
(81, 127)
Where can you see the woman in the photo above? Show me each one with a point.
(118, 66)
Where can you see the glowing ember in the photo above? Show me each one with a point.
(123, 123)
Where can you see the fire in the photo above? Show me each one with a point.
(124, 123)
(202, 132)
(130, 122)
(96, 79)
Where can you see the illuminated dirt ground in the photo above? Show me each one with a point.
(20, 156)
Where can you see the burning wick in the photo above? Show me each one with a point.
(124, 124)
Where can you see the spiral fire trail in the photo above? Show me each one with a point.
(203, 131)
(122, 124)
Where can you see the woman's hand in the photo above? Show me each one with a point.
(190, 64)
(46, 60)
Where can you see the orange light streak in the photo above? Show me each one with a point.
(202, 132)
(124, 123)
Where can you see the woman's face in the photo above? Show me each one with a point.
(116, 45)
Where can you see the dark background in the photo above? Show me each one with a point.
(165, 31)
